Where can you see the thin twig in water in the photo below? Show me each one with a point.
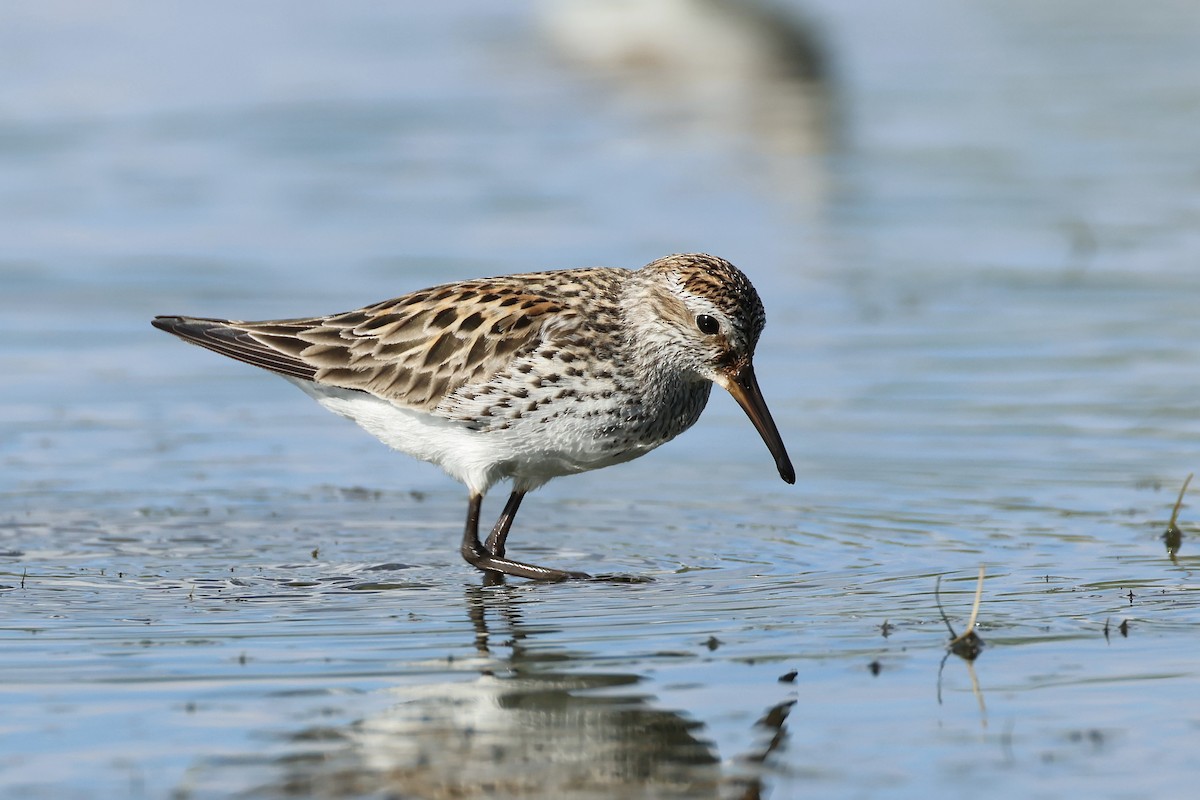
(1179, 502)
(967, 646)
(974, 609)
(937, 598)
(1173, 535)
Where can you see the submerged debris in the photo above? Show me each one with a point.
(774, 724)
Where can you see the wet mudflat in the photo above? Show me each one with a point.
(981, 293)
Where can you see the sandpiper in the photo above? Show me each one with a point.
(524, 377)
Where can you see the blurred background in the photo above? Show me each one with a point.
(976, 230)
(929, 166)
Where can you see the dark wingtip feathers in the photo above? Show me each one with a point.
(227, 338)
(166, 323)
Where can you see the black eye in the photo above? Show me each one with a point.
(707, 325)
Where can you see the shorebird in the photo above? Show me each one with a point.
(524, 377)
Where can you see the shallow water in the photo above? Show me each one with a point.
(976, 242)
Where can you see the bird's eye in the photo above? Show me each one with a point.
(707, 325)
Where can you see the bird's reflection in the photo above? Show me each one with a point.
(522, 722)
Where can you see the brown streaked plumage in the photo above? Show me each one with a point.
(524, 377)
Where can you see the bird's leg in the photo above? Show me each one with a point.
(481, 559)
(495, 542)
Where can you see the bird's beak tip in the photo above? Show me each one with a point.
(744, 388)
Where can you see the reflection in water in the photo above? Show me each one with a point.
(513, 726)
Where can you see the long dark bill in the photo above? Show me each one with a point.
(744, 388)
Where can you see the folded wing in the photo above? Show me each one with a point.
(412, 350)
